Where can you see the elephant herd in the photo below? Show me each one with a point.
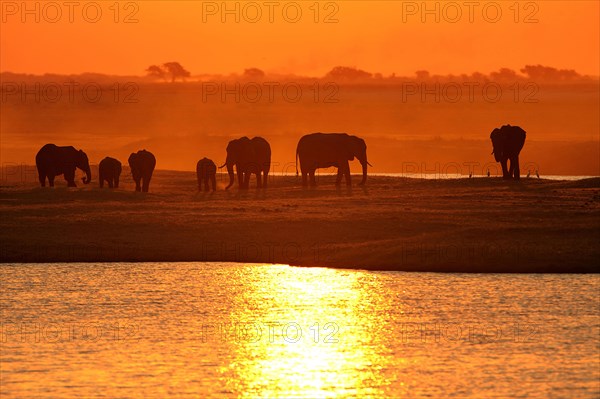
(52, 160)
(253, 157)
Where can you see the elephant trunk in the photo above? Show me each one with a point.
(231, 175)
(497, 155)
(364, 172)
(88, 175)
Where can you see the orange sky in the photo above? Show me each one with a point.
(375, 36)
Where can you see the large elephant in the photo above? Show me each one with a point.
(52, 161)
(249, 157)
(109, 170)
(206, 171)
(142, 165)
(324, 150)
(508, 142)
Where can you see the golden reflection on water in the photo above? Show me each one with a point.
(310, 336)
(190, 330)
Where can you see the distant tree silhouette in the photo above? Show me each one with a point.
(504, 74)
(176, 70)
(422, 75)
(478, 76)
(156, 72)
(543, 73)
(348, 73)
(254, 73)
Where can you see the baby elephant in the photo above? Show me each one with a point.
(206, 170)
(109, 170)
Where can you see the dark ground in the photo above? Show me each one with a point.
(467, 225)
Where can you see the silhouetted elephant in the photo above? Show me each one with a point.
(249, 157)
(508, 142)
(142, 165)
(206, 170)
(109, 170)
(52, 161)
(323, 150)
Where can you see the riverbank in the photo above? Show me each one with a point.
(458, 225)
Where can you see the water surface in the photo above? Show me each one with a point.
(187, 330)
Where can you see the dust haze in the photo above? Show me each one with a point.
(415, 124)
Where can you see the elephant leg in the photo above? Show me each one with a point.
(313, 181)
(51, 180)
(206, 184)
(213, 180)
(70, 178)
(511, 168)
(240, 179)
(258, 180)
(517, 170)
(146, 184)
(338, 179)
(42, 178)
(116, 181)
(347, 173)
(110, 183)
(266, 178)
(101, 182)
(137, 185)
(504, 169)
(304, 179)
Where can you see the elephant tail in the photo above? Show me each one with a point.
(296, 161)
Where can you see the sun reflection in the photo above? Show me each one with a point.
(311, 335)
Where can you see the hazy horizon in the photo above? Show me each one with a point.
(144, 74)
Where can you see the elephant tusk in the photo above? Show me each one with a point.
(369, 164)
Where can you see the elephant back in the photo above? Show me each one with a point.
(142, 159)
(262, 149)
(323, 145)
(514, 136)
(110, 162)
(51, 155)
(206, 166)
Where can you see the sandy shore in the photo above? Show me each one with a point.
(467, 225)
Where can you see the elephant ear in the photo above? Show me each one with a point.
(232, 147)
(519, 132)
(349, 149)
(495, 134)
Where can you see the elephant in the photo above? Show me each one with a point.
(507, 143)
(52, 160)
(323, 150)
(249, 157)
(109, 170)
(142, 165)
(206, 170)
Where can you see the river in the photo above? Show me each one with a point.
(187, 330)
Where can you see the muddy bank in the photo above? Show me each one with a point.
(468, 225)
